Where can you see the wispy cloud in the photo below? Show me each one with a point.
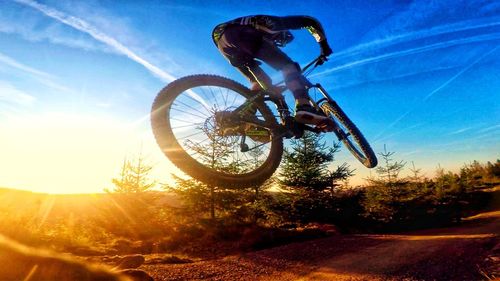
(411, 51)
(418, 34)
(97, 34)
(41, 76)
(491, 128)
(439, 88)
(460, 73)
(10, 94)
(406, 54)
(426, 14)
(34, 29)
(459, 131)
(404, 130)
(15, 64)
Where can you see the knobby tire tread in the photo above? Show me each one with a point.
(368, 158)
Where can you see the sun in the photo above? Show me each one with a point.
(68, 153)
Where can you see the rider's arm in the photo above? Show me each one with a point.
(298, 22)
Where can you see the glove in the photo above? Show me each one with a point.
(325, 48)
(321, 60)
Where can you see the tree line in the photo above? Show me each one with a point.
(310, 188)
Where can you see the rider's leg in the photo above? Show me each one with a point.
(239, 44)
(294, 80)
(257, 72)
(242, 44)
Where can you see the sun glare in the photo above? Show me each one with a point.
(66, 153)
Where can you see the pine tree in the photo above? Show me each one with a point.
(305, 165)
(416, 177)
(134, 176)
(385, 194)
(217, 152)
(389, 171)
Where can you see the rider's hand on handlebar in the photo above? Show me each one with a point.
(325, 52)
(325, 48)
(321, 60)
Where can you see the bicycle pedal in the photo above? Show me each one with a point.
(310, 118)
(326, 125)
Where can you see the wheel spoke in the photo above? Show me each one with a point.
(194, 109)
(196, 100)
(199, 130)
(186, 126)
(226, 148)
(191, 135)
(189, 113)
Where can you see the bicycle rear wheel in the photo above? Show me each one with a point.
(184, 125)
(350, 135)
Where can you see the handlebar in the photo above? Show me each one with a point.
(317, 61)
(314, 63)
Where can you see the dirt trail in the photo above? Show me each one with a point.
(456, 253)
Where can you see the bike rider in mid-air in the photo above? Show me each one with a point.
(245, 39)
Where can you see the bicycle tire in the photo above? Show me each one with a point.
(365, 153)
(162, 130)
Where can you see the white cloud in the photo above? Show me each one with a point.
(10, 94)
(491, 128)
(42, 77)
(459, 131)
(439, 30)
(33, 29)
(371, 59)
(15, 64)
(426, 14)
(98, 35)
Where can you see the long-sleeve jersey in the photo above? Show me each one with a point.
(273, 26)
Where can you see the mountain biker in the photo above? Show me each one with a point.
(245, 39)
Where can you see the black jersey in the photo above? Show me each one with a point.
(274, 28)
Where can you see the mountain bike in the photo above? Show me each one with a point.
(221, 133)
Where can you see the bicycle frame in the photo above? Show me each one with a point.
(288, 128)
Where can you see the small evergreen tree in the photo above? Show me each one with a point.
(416, 177)
(134, 176)
(493, 170)
(305, 172)
(385, 195)
(305, 165)
(389, 171)
(218, 153)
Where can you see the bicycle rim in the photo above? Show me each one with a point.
(185, 126)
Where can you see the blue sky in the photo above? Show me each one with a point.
(77, 79)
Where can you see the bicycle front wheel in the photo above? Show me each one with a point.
(185, 126)
(350, 135)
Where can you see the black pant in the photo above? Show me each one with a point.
(241, 45)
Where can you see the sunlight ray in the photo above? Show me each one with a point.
(122, 210)
(45, 210)
(31, 273)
